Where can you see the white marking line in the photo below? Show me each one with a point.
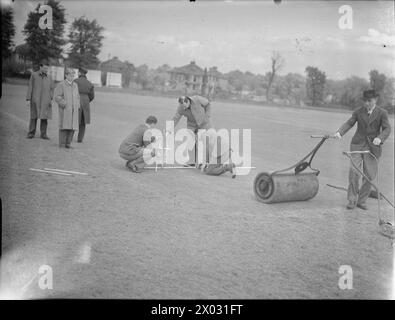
(61, 173)
(171, 168)
(84, 255)
(27, 285)
(193, 167)
(65, 171)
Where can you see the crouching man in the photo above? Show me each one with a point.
(218, 155)
(132, 148)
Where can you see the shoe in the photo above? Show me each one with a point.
(190, 165)
(132, 167)
(79, 141)
(68, 146)
(45, 137)
(230, 168)
(30, 136)
(363, 206)
(350, 205)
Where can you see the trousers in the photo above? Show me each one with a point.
(43, 126)
(368, 165)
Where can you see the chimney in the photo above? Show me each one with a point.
(193, 63)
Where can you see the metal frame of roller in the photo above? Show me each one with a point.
(285, 187)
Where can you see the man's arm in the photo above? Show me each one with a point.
(30, 88)
(177, 117)
(59, 96)
(51, 87)
(91, 94)
(385, 127)
(348, 124)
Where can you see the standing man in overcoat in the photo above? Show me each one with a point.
(87, 94)
(68, 99)
(38, 98)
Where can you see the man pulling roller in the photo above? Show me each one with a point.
(372, 130)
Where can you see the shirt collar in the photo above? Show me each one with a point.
(70, 83)
(371, 111)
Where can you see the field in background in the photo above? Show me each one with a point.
(178, 233)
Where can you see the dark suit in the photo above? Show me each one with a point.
(369, 127)
(87, 94)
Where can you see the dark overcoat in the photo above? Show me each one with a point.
(87, 94)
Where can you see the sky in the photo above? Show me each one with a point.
(240, 34)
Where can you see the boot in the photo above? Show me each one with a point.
(69, 138)
(81, 133)
(43, 129)
(32, 128)
(62, 137)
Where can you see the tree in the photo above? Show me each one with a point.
(45, 43)
(23, 52)
(86, 40)
(127, 73)
(142, 76)
(7, 31)
(277, 64)
(377, 80)
(236, 79)
(315, 85)
(388, 95)
(351, 91)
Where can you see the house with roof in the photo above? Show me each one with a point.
(192, 79)
(116, 66)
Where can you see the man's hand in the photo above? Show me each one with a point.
(377, 141)
(337, 135)
(28, 103)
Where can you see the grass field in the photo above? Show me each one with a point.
(179, 233)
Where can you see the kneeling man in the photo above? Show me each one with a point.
(132, 148)
(218, 155)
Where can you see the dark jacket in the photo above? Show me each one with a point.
(368, 127)
(137, 138)
(87, 94)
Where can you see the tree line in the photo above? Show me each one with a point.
(84, 42)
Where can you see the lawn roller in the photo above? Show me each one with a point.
(290, 184)
(386, 228)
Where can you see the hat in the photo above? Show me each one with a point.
(368, 94)
(183, 99)
(82, 70)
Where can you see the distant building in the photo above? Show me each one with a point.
(188, 78)
(115, 65)
(192, 79)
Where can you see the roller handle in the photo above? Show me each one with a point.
(326, 136)
(354, 152)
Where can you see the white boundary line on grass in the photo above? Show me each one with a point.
(65, 171)
(46, 171)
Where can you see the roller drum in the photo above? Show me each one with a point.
(284, 187)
